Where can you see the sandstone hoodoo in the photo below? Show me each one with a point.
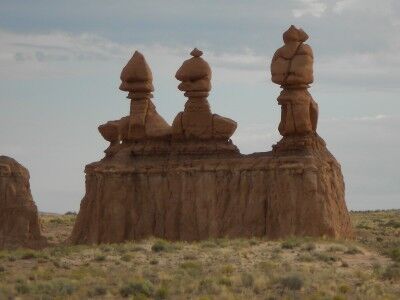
(191, 182)
(196, 123)
(19, 221)
(143, 124)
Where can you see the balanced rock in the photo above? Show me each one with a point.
(143, 124)
(197, 122)
(292, 68)
(19, 221)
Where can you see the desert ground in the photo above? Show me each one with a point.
(367, 267)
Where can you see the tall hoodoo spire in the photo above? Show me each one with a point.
(292, 68)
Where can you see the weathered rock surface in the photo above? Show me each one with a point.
(196, 185)
(19, 221)
(187, 198)
(197, 122)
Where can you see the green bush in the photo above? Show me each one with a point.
(100, 258)
(395, 254)
(247, 280)
(290, 243)
(292, 282)
(22, 288)
(353, 250)
(161, 293)
(160, 246)
(392, 272)
(97, 291)
(139, 288)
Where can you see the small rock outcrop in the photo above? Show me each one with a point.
(19, 221)
(200, 186)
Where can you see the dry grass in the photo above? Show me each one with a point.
(215, 269)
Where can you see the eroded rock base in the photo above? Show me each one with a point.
(19, 221)
(192, 198)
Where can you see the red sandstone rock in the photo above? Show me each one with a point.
(197, 122)
(143, 122)
(292, 68)
(19, 221)
(192, 187)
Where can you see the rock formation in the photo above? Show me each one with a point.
(143, 122)
(19, 221)
(196, 124)
(201, 187)
(292, 68)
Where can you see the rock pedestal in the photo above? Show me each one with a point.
(201, 187)
(19, 221)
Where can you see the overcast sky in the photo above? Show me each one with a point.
(59, 75)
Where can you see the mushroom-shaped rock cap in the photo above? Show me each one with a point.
(294, 34)
(136, 69)
(194, 68)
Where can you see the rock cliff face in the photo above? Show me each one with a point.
(186, 198)
(19, 222)
(194, 184)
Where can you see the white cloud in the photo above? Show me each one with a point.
(314, 8)
(381, 7)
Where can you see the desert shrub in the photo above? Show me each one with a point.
(207, 286)
(161, 293)
(326, 257)
(100, 258)
(28, 254)
(392, 272)
(309, 247)
(292, 282)
(306, 257)
(395, 254)
(393, 224)
(97, 291)
(138, 288)
(208, 244)
(290, 243)
(227, 269)
(160, 246)
(353, 250)
(22, 288)
(154, 262)
(57, 287)
(344, 289)
(336, 248)
(363, 226)
(2, 269)
(247, 280)
(192, 268)
(224, 281)
(126, 257)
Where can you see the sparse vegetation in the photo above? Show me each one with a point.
(295, 268)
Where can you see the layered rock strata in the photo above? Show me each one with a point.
(19, 221)
(191, 199)
(201, 187)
